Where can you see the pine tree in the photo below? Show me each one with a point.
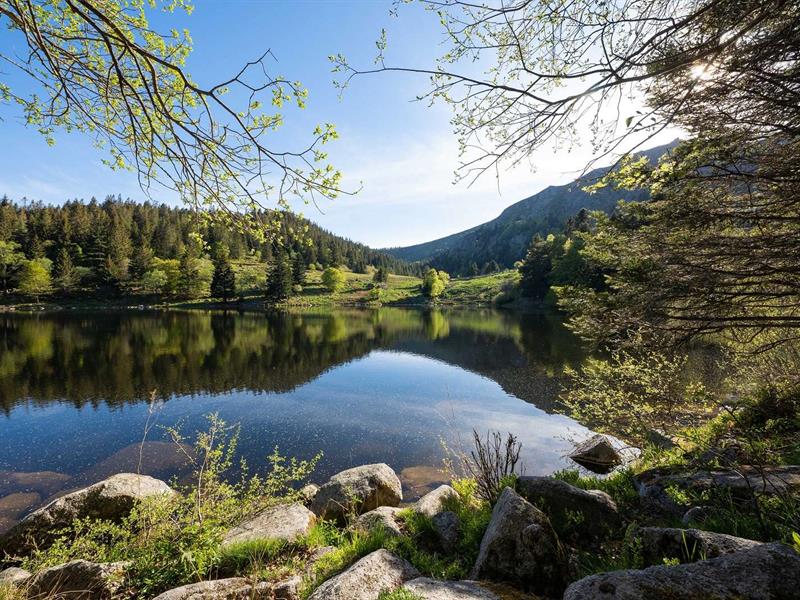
(223, 283)
(279, 279)
(66, 275)
(188, 275)
(298, 269)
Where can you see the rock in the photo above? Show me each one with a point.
(359, 490)
(44, 483)
(365, 580)
(234, 588)
(382, 517)
(77, 579)
(315, 556)
(421, 479)
(596, 454)
(288, 589)
(434, 502)
(308, 492)
(521, 548)
(448, 529)
(687, 545)
(740, 482)
(14, 576)
(697, 514)
(110, 499)
(282, 522)
(765, 572)
(561, 502)
(434, 589)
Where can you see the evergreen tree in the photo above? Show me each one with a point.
(298, 269)
(223, 283)
(279, 279)
(189, 284)
(536, 268)
(67, 276)
(381, 275)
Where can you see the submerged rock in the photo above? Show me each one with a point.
(434, 502)
(78, 579)
(764, 572)
(383, 517)
(282, 522)
(111, 499)
(234, 588)
(375, 573)
(596, 454)
(358, 490)
(687, 545)
(597, 512)
(521, 548)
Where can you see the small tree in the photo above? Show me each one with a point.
(298, 269)
(67, 276)
(34, 278)
(434, 283)
(381, 275)
(333, 279)
(223, 283)
(189, 283)
(279, 279)
(155, 281)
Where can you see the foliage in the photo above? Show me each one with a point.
(10, 261)
(34, 277)
(174, 540)
(633, 395)
(434, 283)
(333, 279)
(381, 275)
(223, 283)
(399, 594)
(100, 68)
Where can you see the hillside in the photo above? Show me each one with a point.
(505, 238)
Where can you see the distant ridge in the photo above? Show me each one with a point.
(506, 238)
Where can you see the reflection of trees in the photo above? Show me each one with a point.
(119, 357)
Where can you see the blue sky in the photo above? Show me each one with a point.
(400, 152)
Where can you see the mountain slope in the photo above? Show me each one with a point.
(505, 238)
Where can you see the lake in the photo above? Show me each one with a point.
(361, 386)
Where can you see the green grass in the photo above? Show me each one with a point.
(483, 289)
(399, 594)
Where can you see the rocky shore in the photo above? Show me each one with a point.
(524, 551)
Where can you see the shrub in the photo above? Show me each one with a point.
(333, 279)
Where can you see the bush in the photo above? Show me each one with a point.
(333, 279)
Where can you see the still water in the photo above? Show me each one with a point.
(362, 386)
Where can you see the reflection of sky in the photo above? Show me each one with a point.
(386, 407)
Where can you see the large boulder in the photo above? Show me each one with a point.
(365, 580)
(521, 548)
(234, 588)
(358, 490)
(435, 589)
(687, 545)
(383, 517)
(111, 499)
(286, 522)
(592, 513)
(434, 502)
(596, 454)
(764, 572)
(77, 580)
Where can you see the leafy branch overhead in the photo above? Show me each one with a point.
(99, 68)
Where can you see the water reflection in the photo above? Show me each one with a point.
(360, 385)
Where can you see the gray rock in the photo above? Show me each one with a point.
(111, 499)
(358, 490)
(561, 501)
(288, 589)
(697, 514)
(687, 545)
(596, 454)
(521, 548)
(382, 517)
(282, 522)
(365, 580)
(234, 588)
(77, 579)
(448, 529)
(434, 502)
(765, 572)
(14, 576)
(434, 589)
